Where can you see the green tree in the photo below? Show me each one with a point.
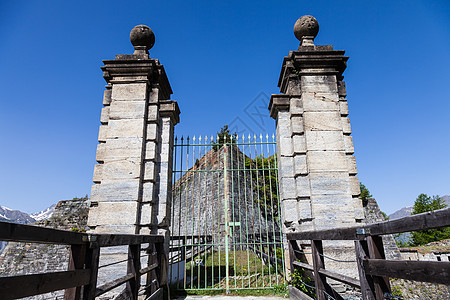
(224, 136)
(423, 204)
(265, 183)
(365, 194)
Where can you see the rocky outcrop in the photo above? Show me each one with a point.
(373, 214)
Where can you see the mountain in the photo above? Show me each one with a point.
(407, 211)
(402, 212)
(14, 216)
(17, 216)
(44, 214)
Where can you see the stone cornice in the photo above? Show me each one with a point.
(312, 60)
(170, 108)
(278, 102)
(130, 68)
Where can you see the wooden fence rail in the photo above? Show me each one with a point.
(374, 270)
(80, 280)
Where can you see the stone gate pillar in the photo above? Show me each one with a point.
(318, 187)
(132, 179)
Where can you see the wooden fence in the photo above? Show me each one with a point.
(80, 280)
(374, 270)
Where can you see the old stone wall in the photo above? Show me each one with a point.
(202, 194)
(372, 215)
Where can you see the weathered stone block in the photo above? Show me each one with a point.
(286, 167)
(289, 210)
(343, 108)
(153, 114)
(152, 132)
(346, 125)
(107, 97)
(300, 165)
(304, 209)
(98, 169)
(153, 97)
(327, 161)
(299, 144)
(297, 125)
(334, 201)
(324, 140)
(113, 213)
(146, 214)
(123, 229)
(341, 89)
(122, 148)
(354, 185)
(332, 218)
(147, 191)
(127, 110)
(319, 83)
(302, 186)
(283, 124)
(125, 128)
(359, 213)
(287, 188)
(296, 106)
(149, 171)
(110, 190)
(294, 87)
(348, 141)
(129, 91)
(126, 168)
(351, 165)
(322, 121)
(150, 150)
(285, 147)
(319, 101)
(104, 117)
(102, 133)
(333, 183)
(100, 155)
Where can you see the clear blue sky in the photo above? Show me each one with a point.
(222, 58)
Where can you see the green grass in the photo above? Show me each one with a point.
(248, 275)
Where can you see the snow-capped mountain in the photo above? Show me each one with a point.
(45, 214)
(15, 216)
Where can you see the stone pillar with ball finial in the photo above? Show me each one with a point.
(132, 180)
(318, 186)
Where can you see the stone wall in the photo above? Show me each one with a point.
(372, 215)
(408, 289)
(202, 194)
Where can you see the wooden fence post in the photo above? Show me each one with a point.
(162, 269)
(376, 251)
(318, 263)
(133, 267)
(92, 260)
(76, 261)
(367, 288)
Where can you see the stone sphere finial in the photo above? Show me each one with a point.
(142, 38)
(306, 29)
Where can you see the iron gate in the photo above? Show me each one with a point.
(225, 228)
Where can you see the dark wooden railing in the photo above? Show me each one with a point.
(374, 270)
(80, 280)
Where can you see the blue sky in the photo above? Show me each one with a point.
(223, 59)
